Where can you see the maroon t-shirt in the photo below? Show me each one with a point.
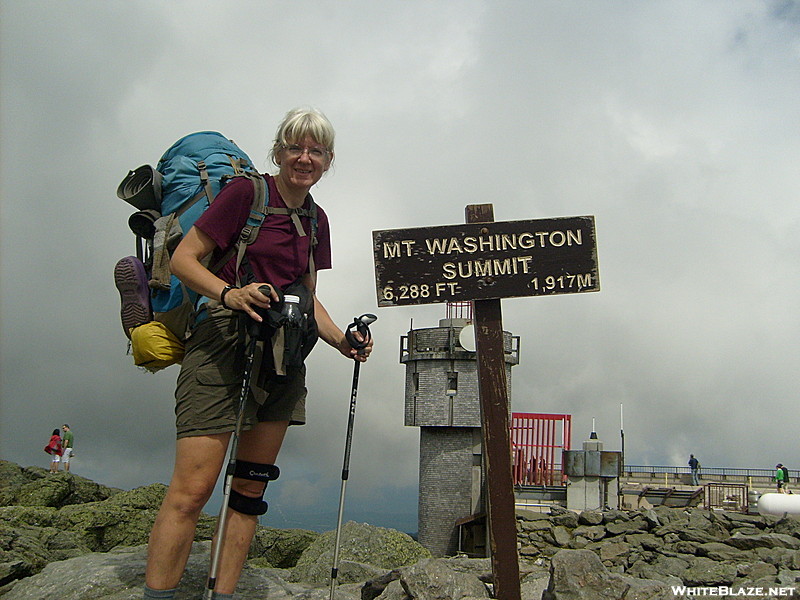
(279, 255)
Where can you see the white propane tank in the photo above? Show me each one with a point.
(779, 504)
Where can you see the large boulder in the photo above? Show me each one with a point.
(51, 491)
(26, 549)
(362, 546)
(721, 552)
(279, 548)
(579, 575)
(35, 533)
(764, 540)
(667, 569)
(37, 516)
(705, 572)
(11, 478)
(119, 575)
(34, 486)
(430, 579)
(122, 520)
(445, 578)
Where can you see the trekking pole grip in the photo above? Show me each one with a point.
(360, 325)
(258, 329)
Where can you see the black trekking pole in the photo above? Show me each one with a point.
(222, 520)
(359, 325)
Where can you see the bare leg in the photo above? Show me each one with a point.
(260, 445)
(198, 461)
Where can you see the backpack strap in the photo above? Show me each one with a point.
(311, 267)
(256, 217)
(204, 181)
(249, 232)
(294, 215)
(237, 164)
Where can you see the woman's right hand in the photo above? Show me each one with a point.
(187, 266)
(245, 299)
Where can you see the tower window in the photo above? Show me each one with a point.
(452, 383)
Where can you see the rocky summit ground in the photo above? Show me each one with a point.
(63, 536)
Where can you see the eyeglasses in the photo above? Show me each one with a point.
(315, 153)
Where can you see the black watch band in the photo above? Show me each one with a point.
(225, 290)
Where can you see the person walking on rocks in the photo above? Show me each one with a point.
(211, 374)
(68, 444)
(694, 465)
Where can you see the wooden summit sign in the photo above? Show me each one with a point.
(483, 261)
(478, 261)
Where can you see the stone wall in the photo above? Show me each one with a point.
(692, 547)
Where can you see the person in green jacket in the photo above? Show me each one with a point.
(68, 445)
(780, 477)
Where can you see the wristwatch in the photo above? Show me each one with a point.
(225, 290)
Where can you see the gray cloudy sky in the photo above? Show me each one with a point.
(674, 123)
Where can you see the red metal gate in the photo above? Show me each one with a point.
(536, 442)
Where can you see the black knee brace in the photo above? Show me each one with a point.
(254, 472)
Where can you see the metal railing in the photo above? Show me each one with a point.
(706, 472)
(726, 496)
(431, 342)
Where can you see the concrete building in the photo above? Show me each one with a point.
(442, 399)
(593, 476)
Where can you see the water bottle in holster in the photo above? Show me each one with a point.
(289, 327)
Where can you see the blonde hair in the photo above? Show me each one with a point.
(300, 123)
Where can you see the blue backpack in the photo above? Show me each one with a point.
(193, 171)
(171, 197)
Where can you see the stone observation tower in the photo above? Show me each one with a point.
(442, 399)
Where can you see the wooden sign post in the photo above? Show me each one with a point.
(484, 261)
(493, 391)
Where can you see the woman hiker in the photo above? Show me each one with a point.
(209, 384)
(54, 449)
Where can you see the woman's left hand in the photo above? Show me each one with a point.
(361, 354)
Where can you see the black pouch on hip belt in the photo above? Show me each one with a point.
(290, 335)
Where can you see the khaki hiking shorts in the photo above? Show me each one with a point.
(210, 382)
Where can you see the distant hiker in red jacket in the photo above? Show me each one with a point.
(54, 449)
